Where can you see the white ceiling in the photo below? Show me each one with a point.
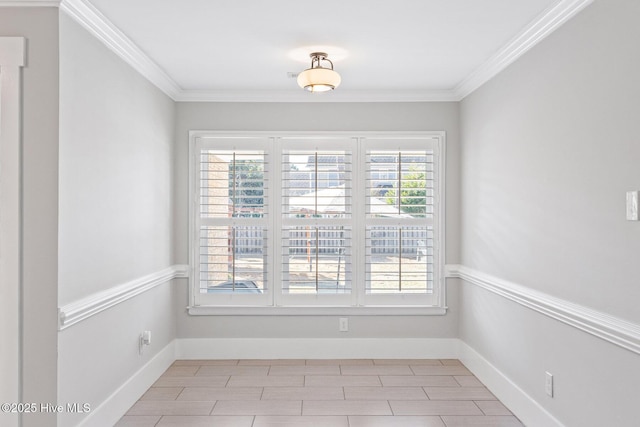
(391, 49)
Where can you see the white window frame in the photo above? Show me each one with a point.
(406, 143)
(273, 301)
(256, 143)
(324, 143)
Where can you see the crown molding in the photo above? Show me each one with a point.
(546, 23)
(98, 25)
(297, 95)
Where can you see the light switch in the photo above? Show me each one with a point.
(632, 205)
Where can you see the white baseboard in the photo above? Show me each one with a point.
(317, 348)
(115, 406)
(530, 412)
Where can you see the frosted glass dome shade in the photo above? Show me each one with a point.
(318, 79)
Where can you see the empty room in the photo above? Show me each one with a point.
(414, 213)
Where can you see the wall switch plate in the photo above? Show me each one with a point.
(548, 383)
(146, 338)
(632, 205)
(344, 324)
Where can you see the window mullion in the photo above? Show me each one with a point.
(399, 259)
(195, 151)
(275, 221)
(315, 182)
(317, 266)
(358, 222)
(233, 257)
(399, 183)
(233, 185)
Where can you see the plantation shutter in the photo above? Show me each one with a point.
(233, 205)
(317, 222)
(400, 194)
(298, 222)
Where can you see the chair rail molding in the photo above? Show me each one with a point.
(76, 311)
(609, 328)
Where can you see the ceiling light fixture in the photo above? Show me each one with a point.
(319, 78)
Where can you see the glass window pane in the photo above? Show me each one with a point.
(400, 184)
(232, 184)
(316, 184)
(316, 260)
(233, 259)
(399, 260)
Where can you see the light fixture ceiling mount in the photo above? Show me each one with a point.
(319, 78)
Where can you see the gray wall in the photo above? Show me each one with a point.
(309, 117)
(116, 142)
(538, 161)
(549, 148)
(40, 202)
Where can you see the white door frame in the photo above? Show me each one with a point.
(12, 59)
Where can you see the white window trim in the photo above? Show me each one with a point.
(357, 307)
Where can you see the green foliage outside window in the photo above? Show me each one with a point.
(413, 193)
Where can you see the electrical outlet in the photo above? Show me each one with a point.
(548, 384)
(344, 324)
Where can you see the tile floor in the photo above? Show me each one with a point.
(318, 393)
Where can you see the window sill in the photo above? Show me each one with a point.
(209, 310)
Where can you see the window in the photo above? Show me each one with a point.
(316, 221)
